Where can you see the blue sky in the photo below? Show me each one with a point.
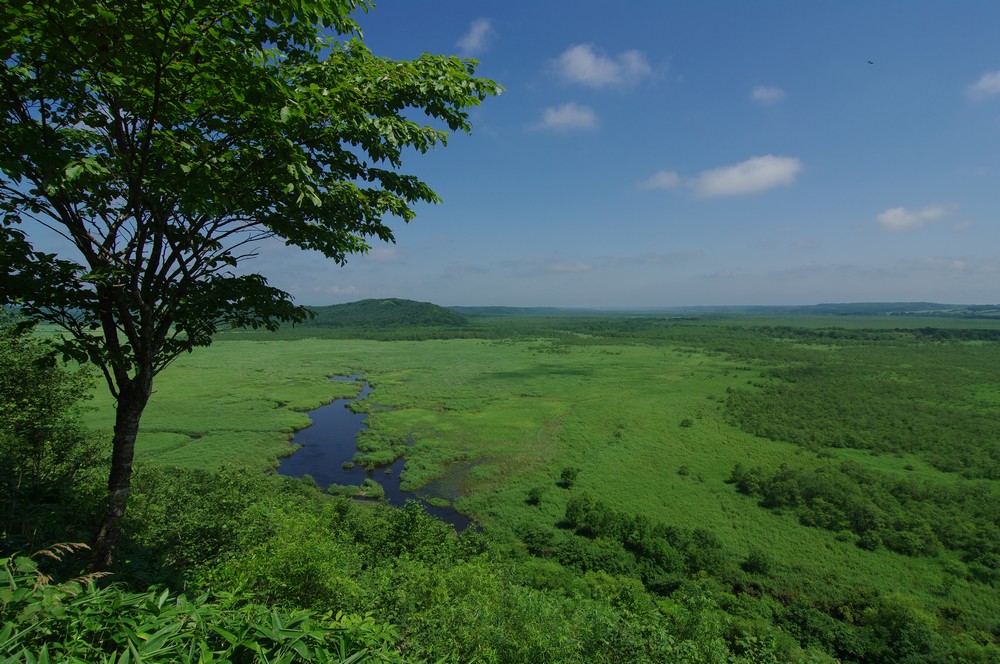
(685, 153)
(696, 153)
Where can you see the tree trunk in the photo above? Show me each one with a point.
(132, 402)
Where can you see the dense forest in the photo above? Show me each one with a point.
(392, 312)
(896, 429)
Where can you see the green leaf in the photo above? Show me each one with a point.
(226, 634)
(155, 642)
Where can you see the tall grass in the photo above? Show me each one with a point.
(640, 411)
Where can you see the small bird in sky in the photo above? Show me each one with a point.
(871, 62)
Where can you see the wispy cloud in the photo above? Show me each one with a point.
(584, 65)
(987, 85)
(766, 94)
(903, 219)
(334, 290)
(537, 267)
(478, 37)
(660, 180)
(958, 265)
(384, 255)
(749, 177)
(650, 259)
(467, 268)
(559, 266)
(568, 117)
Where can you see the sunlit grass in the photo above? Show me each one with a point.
(490, 421)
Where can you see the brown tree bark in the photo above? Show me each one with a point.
(131, 403)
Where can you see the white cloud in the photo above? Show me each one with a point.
(569, 267)
(901, 219)
(766, 94)
(650, 259)
(332, 290)
(582, 64)
(752, 176)
(478, 38)
(537, 267)
(987, 85)
(568, 117)
(952, 264)
(384, 255)
(660, 180)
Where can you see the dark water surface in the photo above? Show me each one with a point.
(331, 440)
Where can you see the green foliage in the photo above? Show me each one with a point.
(81, 621)
(658, 548)
(908, 516)
(161, 174)
(41, 438)
(875, 397)
(457, 598)
(369, 489)
(757, 562)
(567, 477)
(164, 139)
(47, 478)
(492, 417)
(391, 312)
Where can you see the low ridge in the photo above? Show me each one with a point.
(387, 312)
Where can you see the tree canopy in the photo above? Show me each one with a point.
(165, 140)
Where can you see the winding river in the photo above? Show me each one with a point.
(331, 440)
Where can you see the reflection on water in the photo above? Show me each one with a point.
(331, 440)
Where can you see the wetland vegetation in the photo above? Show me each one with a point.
(646, 487)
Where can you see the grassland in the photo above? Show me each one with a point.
(641, 407)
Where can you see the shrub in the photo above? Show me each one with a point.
(568, 477)
(80, 621)
(757, 562)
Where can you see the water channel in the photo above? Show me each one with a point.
(331, 440)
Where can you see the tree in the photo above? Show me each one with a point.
(568, 477)
(165, 139)
(48, 457)
(40, 439)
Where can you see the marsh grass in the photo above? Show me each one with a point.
(493, 420)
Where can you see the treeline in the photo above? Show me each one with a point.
(909, 516)
(679, 564)
(661, 556)
(894, 335)
(392, 312)
(926, 400)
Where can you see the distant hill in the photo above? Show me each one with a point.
(919, 309)
(488, 311)
(922, 309)
(391, 312)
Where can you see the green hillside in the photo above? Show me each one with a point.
(389, 312)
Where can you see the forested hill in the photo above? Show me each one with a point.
(389, 312)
